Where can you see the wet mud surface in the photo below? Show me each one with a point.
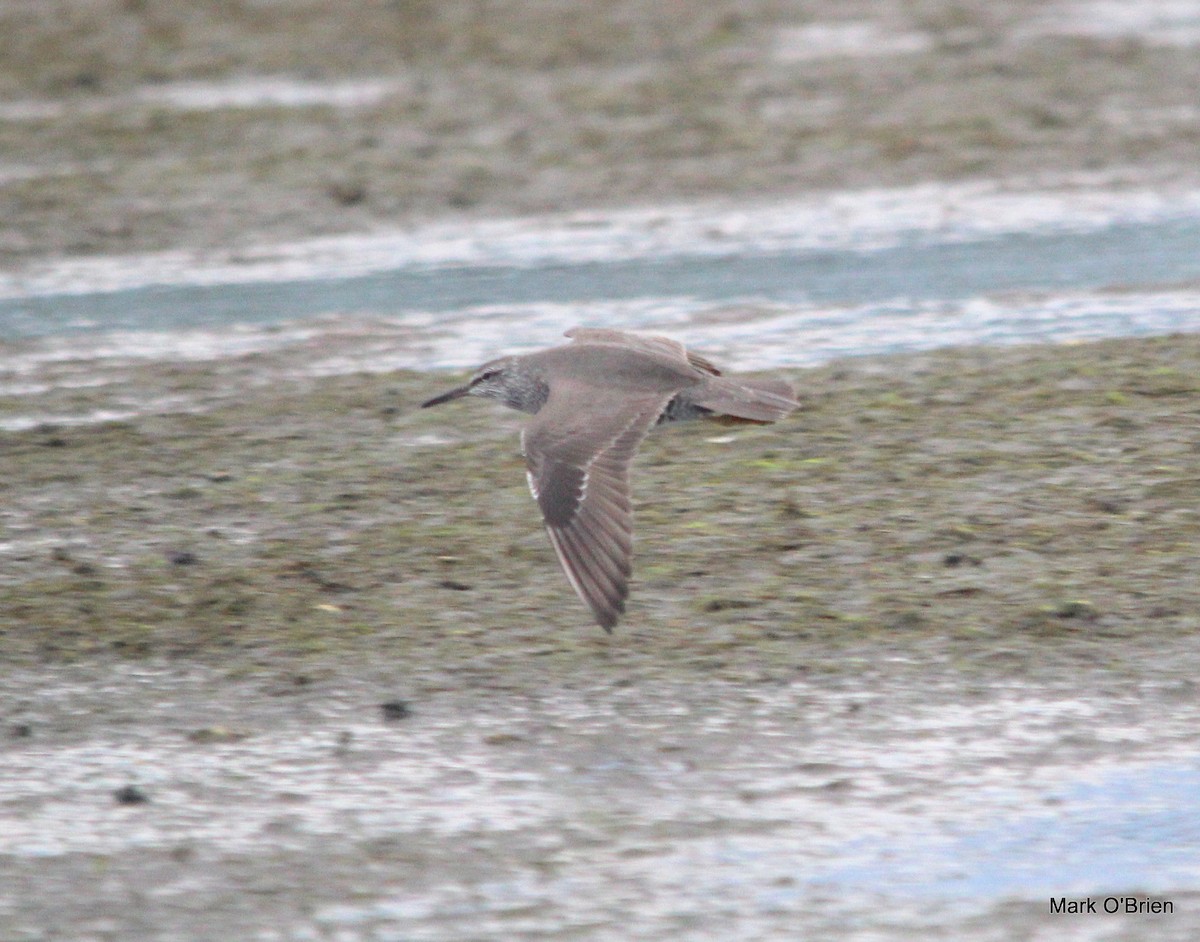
(998, 494)
(286, 659)
(135, 126)
(949, 591)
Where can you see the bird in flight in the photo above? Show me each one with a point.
(593, 401)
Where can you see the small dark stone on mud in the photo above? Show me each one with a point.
(347, 192)
(21, 731)
(181, 558)
(84, 569)
(130, 795)
(1084, 611)
(394, 710)
(455, 585)
(86, 80)
(722, 605)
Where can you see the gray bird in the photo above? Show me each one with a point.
(593, 401)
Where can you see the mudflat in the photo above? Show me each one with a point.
(286, 657)
(1022, 506)
(140, 126)
(310, 640)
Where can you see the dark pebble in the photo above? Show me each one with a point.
(130, 795)
(347, 193)
(1084, 611)
(181, 558)
(454, 584)
(394, 710)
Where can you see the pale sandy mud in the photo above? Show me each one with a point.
(906, 665)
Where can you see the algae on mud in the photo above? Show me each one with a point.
(547, 105)
(999, 543)
(1014, 510)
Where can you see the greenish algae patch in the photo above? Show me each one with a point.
(530, 107)
(308, 523)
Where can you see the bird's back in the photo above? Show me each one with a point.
(611, 366)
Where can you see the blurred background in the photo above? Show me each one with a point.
(130, 125)
(285, 657)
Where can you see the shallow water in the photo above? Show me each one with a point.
(760, 287)
(809, 804)
(848, 259)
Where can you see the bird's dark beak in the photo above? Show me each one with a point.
(446, 397)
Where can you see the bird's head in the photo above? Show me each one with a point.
(501, 379)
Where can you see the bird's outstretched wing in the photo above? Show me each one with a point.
(577, 450)
(646, 343)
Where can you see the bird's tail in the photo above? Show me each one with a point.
(758, 401)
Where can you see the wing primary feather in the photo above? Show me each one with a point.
(605, 605)
(593, 567)
(595, 556)
(580, 480)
